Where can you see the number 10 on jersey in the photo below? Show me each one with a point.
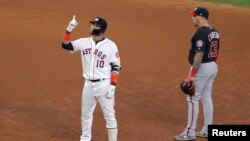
(100, 63)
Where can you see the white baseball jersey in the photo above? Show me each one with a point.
(96, 58)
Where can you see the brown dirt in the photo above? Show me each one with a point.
(40, 84)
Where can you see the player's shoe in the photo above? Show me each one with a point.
(201, 134)
(184, 137)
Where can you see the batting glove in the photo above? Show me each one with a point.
(72, 24)
(111, 92)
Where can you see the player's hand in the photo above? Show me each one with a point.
(72, 24)
(189, 79)
(111, 92)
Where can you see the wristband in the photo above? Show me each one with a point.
(114, 79)
(193, 72)
(67, 37)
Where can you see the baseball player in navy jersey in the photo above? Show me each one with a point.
(203, 53)
(101, 66)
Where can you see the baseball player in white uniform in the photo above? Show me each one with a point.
(101, 66)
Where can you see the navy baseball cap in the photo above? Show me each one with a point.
(200, 11)
(100, 22)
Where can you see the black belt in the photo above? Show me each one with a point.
(96, 80)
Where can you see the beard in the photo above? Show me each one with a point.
(96, 32)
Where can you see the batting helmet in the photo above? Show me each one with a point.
(100, 22)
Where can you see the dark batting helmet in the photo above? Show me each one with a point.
(100, 22)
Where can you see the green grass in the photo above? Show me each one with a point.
(245, 3)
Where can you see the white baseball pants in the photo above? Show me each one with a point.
(203, 90)
(94, 92)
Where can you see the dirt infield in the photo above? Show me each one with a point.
(41, 84)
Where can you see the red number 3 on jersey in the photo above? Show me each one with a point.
(213, 49)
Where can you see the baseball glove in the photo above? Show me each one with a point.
(187, 88)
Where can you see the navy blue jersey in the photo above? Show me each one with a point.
(205, 40)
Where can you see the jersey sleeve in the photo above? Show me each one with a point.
(78, 44)
(115, 57)
(200, 41)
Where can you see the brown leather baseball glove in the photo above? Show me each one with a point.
(187, 88)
